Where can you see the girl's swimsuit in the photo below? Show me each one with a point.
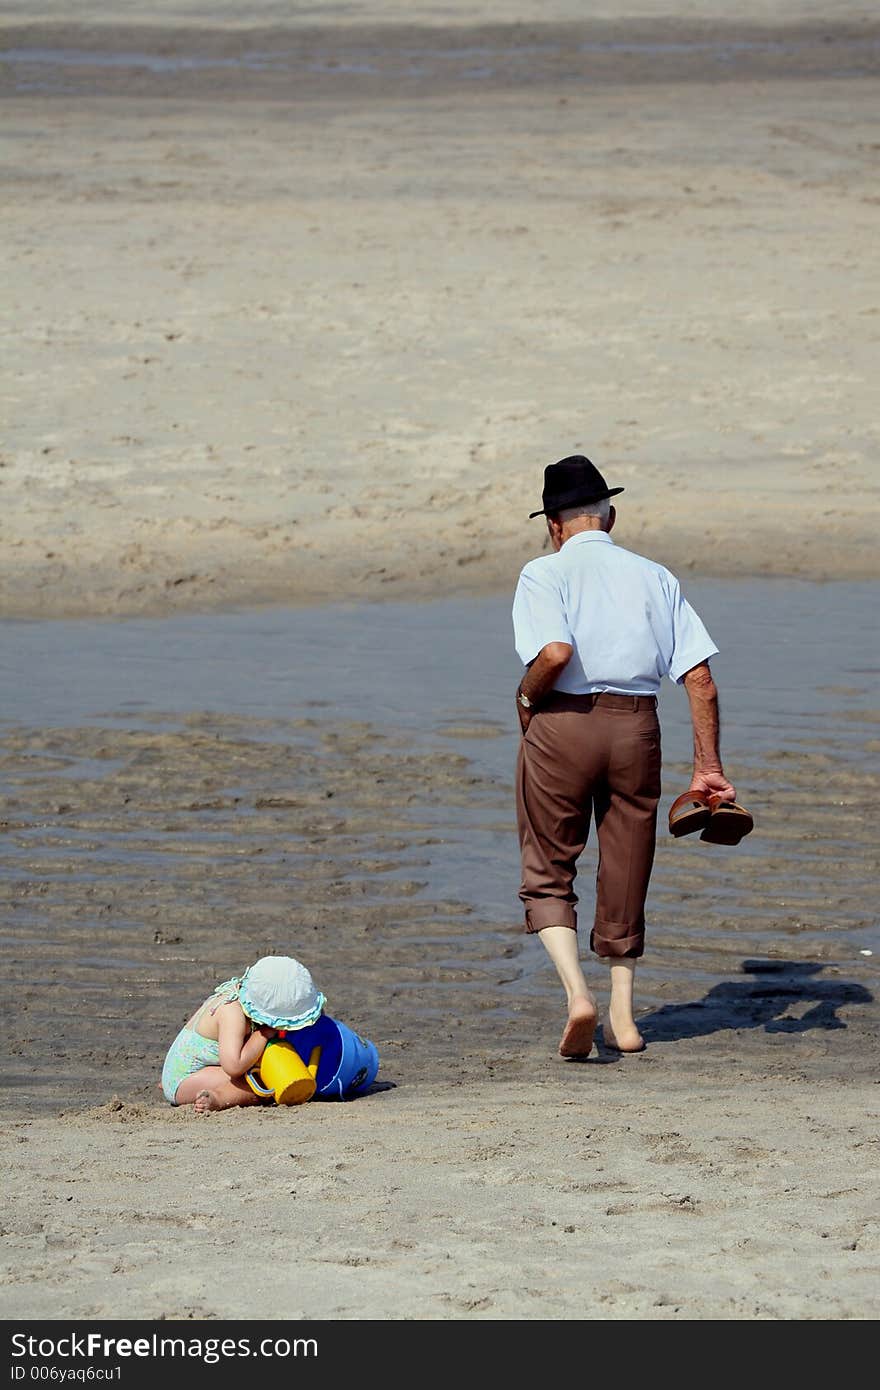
(190, 1051)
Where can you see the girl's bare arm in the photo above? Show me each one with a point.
(239, 1048)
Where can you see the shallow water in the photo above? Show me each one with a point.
(798, 663)
(332, 63)
(417, 61)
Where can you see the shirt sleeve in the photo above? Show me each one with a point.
(538, 614)
(691, 643)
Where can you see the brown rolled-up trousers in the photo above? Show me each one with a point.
(584, 754)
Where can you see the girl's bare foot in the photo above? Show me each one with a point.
(207, 1100)
(624, 1038)
(577, 1039)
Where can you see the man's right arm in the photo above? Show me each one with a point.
(541, 634)
(542, 675)
(702, 694)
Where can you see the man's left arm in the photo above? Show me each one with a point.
(709, 776)
(541, 676)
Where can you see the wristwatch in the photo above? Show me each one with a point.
(524, 700)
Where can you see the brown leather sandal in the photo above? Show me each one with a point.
(728, 822)
(688, 812)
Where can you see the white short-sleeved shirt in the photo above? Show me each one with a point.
(624, 615)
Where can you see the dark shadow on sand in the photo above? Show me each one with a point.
(759, 1003)
(606, 1056)
(373, 1090)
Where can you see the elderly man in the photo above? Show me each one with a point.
(597, 627)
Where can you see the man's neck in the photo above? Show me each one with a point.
(581, 523)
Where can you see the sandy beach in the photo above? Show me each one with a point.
(298, 303)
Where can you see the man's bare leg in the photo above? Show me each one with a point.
(211, 1089)
(620, 1031)
(561, 945)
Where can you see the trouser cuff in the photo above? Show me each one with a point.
(550, 912)
(610, 940)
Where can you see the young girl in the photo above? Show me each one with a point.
(226, 1036)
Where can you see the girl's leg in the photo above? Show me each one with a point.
(211, 1089)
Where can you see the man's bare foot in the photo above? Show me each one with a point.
(207, 1100)
(577, 1040)
(625, 1038)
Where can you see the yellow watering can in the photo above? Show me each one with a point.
(282, 1074)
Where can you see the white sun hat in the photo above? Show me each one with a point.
(280, 992)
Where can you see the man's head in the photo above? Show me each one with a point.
(592, 516)
(575, 498)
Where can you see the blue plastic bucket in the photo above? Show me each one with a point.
(348, 1064)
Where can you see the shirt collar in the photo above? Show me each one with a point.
(588, 536)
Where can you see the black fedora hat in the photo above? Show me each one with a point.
(571, 482)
